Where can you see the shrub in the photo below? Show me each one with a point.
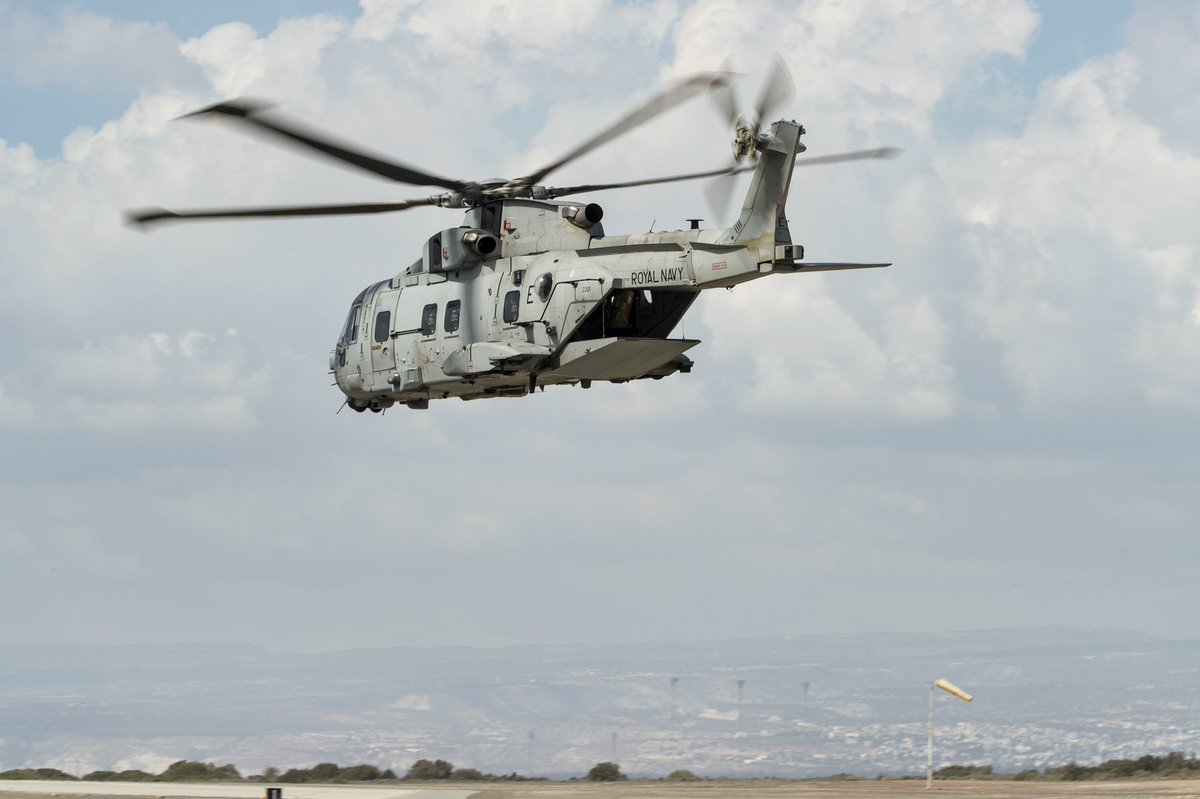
(605, 772)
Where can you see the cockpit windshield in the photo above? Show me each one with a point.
(350, 332)
(365, 297)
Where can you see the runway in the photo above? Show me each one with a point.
(223, 790)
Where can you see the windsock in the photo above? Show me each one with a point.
(951, 688)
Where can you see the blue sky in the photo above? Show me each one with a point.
(998, 430)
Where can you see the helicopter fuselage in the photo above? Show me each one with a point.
(588, 307)
(531, 293)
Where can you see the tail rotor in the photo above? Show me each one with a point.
(747, 127)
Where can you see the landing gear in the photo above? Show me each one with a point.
(374, 406)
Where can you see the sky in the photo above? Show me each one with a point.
(999, 430)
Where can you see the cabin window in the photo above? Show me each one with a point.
(544, 285)
(429, 319)
(453, 311)
(383, 326)
(512, 306)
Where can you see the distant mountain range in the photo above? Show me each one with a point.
(808, 705)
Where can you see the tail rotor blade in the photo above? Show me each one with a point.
(719, 192)
(778, 89)
(724, 96)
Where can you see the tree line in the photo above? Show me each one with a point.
(195, 771)
(1176, 765)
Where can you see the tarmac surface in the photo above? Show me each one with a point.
(845, 789)
(633, 789)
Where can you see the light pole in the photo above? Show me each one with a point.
(953, 690)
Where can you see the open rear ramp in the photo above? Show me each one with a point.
(619, 358)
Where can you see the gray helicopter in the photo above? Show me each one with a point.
(529, 291)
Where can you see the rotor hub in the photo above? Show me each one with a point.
(745, 141)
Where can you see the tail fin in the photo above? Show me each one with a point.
(763, 222)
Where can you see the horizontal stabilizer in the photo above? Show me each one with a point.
(803, 266)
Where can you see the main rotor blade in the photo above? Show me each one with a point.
(778, 89)
(723, 173)
(684, 90)
(251, 113)
(857, 155)
(144, 217)
(553, 192)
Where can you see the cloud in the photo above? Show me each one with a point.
(867, 443)
(860, 64)
(82, 50)
(1080, 233)
(809, 355)
(71, 552)
(142, 384)
(287, 62)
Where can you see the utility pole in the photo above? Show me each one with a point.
(674, 683)
(741, 696)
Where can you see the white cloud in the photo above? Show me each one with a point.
(1063, 253)
(287, 62)
(808, 354)
(866, 65)
(1082, 233)
(142, 384)
(82, 50)
(64, 551)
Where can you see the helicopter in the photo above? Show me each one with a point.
(529, 291)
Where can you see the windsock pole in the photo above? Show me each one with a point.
(929, 749)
